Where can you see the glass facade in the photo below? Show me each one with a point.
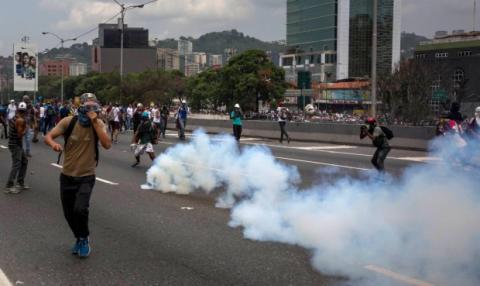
(360, 52)
(312, 25)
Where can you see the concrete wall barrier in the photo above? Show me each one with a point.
(405, 137)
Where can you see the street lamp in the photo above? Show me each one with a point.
(374, 58)
(123, 10)
(62, 41)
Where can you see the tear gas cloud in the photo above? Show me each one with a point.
(424, 224)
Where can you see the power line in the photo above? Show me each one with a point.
(96, 27)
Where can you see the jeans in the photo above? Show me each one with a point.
(379, 158)
(75, 193)
(163, 127)
(237, 131)
(19, 166)
(283, 130)
(128, 123)
(27, 140)
(182, 123)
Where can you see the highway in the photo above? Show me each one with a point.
(142, 237)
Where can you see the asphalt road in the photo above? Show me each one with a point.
(148, 238)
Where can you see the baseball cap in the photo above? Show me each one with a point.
(88, 97)
(237, 105)
(22, 106)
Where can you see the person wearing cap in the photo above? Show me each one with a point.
(82, 133)
(379, 140)
(17, 130)
(181, 118)
(11, 110)
(143, 138)
(236, 116)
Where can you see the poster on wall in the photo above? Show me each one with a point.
(25, 67)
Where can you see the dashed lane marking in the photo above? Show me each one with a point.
(323, 164)
(97, 178)
(3, 147)
(326, 147)
(396, 276)
(4, 280)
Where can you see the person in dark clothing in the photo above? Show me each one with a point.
(455, 113)
(379, 140)
(3, 122)
(142, 139)
(137, 117)
(164, 114)
(181, 118)
(17, 130)
(282, 121)
(236, 116)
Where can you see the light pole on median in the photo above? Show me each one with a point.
(62, 41)
(123, 10)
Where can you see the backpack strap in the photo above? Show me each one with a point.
(67, 134)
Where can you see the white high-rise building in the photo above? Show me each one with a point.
(77, 69)
(215, 60)
(185, 47)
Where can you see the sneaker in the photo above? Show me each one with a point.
(135, 164)
(23, 187)
(12, 190)
(76, 247)
(83, 247)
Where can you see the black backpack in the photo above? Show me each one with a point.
(69, 131)
(388, 132)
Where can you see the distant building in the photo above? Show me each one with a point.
(54, 67)
(77, 69)
(200, 58)
(457, 59)
(192, 69)
(215, 60)
(332, 39)
(185, 47)
(228, 54)
(168, 59)
(274, 57)
(137, 55)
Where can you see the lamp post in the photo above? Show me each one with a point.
(123, 10)
(62, 41)
(374, 58)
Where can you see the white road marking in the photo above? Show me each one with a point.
(326, 147)
(3, 147)
(187, 208)
(419, 159)
(397, 276)
(323, 164)
(4, 280)
(97, 178)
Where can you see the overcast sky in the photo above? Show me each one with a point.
(264, 19)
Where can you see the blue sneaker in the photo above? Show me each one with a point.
(83, 247)
(76, 247)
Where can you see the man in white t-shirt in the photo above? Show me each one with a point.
(157, 120)
(129, 116)
(12, 109)
(116, 123)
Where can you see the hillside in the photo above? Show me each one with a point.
(409, 42)
(216, 42)
(81, 52)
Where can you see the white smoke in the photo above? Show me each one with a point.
(424, 225)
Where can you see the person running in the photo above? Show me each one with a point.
(142, 139)
(82, 134)
(282, 122)
(181, 118)
(165, 113)
(129, 117)
(4, 121)
(236, 116)
(115, 123)
(379, 140)
(17, 130)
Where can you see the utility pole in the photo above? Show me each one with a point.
(474, 15)
(374, 58)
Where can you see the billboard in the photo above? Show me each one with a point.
(25, 67)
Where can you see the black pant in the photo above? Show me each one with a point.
(379, 158)
(19, 166)
(283, 130)
(4, 132)
(237, 131)
(75, 193)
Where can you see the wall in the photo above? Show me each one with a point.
(405, 137)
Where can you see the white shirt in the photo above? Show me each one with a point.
(130, 111)
(116, 114)
(156, 115)
(12, 109)
(42, 112)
